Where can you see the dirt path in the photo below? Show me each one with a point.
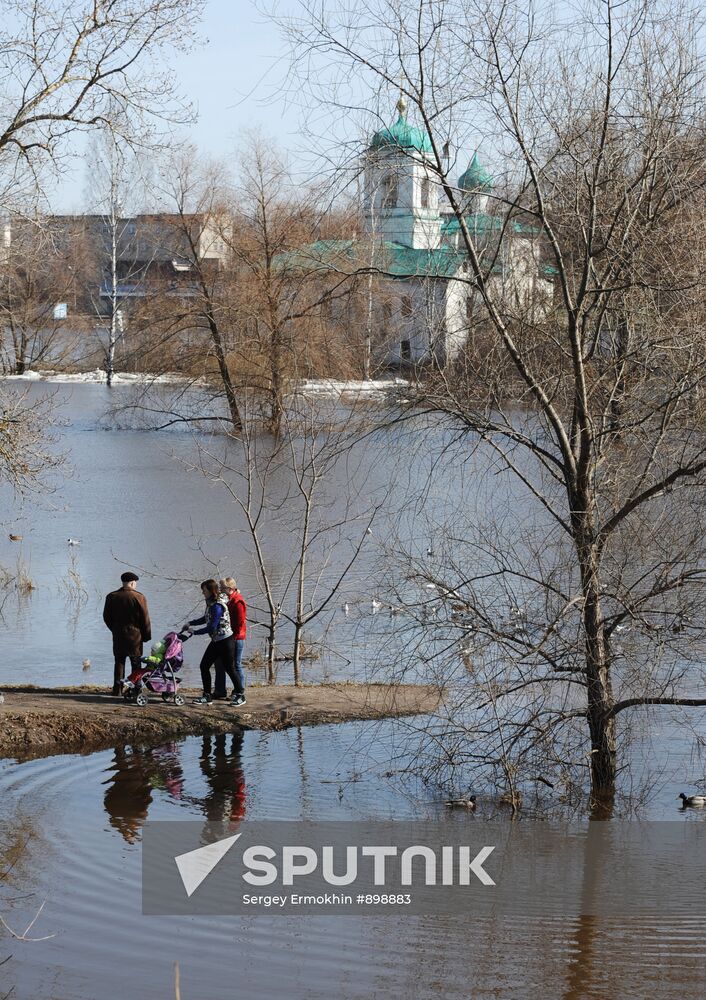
(38, 722)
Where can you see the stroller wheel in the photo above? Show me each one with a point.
(141, 700)
(178, 699)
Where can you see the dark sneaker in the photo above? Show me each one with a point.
(205, 699)
(237, 700)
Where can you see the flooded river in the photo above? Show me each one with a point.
(130, 500)
(70, 826)
(78, 820)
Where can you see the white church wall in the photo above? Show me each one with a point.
(396, 184)
(458, 291)
(409, 318)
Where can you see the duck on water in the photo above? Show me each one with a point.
(696, 801)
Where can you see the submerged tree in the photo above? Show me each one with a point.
(581, 596)
(249, 312)
(303, 535)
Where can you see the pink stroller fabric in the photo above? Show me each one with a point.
(173, 646)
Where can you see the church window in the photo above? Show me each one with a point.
(407, 310)
(390, 192)
(424, 196)
(406, 350)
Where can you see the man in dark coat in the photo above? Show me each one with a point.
(126, 615)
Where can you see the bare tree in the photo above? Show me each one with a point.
(287, 488)
(114, 183)
(36, 283)
(197, 199)
(70, 66)
(595, 414)
(287, 307)
(252, 311)
(66, 67)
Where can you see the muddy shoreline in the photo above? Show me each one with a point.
(41, 722)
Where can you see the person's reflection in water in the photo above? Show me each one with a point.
(221, 766)
(136, 772)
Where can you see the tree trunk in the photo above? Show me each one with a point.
(20, 343)
(271, 653)
(601, 723)
(622, 343)
(113, 332)
(231, 398)
(296, 658)
(368, 329)
(275, 420)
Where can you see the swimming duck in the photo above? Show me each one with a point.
(376, 605)
(697, 801)
(467, 803)
(73, 541)
(15, 538)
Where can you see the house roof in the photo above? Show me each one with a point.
(394, 259)
(480, 224)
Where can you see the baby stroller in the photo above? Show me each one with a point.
(158, 672)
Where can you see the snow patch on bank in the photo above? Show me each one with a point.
(350, 389)
(97, 377)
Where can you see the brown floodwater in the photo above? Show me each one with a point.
(72, 828)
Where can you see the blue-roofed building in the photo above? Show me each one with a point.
(426, 301)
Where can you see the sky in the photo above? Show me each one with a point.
(237, 81)
(232, 78)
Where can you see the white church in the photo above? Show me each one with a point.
(413, 241)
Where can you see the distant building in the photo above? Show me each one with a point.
(416, 249)
(154, 253)
(66, 278)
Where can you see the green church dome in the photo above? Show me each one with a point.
(476, 177)
(402, 134)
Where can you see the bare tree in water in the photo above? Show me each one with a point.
(285, 311)
(196, 197)
(252, 311)
(575, 597)
(303, 533)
